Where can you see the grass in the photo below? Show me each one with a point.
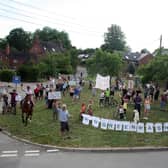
(46, 131)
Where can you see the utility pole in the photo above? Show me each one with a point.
(160, 48)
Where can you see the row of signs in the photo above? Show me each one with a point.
(115, 125)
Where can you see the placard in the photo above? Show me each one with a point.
(72, 83)
(95, 122)
(54, 95)
(126, 126)
(111, 124)
(140, 128)
(133, 126)
(149, 127)
(158, 127)
(165, 127)
(118, 126)
(104, 123)
(86, 119)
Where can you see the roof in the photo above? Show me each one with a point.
(49, 46)
(132, 56)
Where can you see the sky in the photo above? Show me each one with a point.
(86, 21)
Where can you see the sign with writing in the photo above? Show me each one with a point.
(72, 83)
(16, 79)
(54, 95)
(102, 82)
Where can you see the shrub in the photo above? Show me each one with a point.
(6, 75)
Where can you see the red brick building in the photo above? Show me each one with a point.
(15, 58)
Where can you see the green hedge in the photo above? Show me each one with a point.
(6, 75)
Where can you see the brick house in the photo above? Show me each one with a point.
(14, 58)
(137, 58)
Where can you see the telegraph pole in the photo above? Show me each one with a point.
(160, 48)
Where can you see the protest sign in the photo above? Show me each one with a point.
(54, 95)
(102, 82)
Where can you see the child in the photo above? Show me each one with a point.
(121, 112)
(89, 110)
(146, 106)
(136, 115)
(83, 110)
(101, 99)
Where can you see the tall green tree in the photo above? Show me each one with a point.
(104, 63)
(20, 39)
(3, 43)
(49, 34)
(114, 39)
(156, 70)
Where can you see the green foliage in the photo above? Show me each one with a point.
(49, 34)
(3, 43)
(20, 39)
(114, 39)
(6, 75)
(28, 72)
(156, 70)
(55, 63)
(73, 52)
(104, 63)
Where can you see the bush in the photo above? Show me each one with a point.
(28, 73)
(6, 75)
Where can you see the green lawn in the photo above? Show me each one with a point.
(46, 131)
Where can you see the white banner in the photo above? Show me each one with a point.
(54, 95)
(149, 127)
(104, 123)
(111, 124)
(124, 125)
(102, 82)
(158, 127)
(95, 122)
(86, 119)
(72, 83)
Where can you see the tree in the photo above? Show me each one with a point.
(156, 70)
(20, 39)
(55, 63)
(3, 43)
(104, 63)
(114, 39)
(49, 34)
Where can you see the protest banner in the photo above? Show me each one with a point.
(102, 82)
(54, 95)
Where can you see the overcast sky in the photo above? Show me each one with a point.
(86, 21)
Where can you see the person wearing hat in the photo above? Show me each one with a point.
(63, 118)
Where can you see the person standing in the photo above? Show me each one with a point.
(147, 107)
(63, 118)
(138, 101)
(13, 100)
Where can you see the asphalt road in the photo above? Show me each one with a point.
(15, 154)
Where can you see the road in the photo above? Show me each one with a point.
(15, 154)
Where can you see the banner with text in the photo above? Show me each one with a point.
(115, 125)
(102, 82)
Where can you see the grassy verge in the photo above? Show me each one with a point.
(46, 131)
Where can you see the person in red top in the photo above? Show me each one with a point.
(13, 100)
(83, 110)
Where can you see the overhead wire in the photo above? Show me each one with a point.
(36, 17)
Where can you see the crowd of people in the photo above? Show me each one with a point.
(139, 97)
